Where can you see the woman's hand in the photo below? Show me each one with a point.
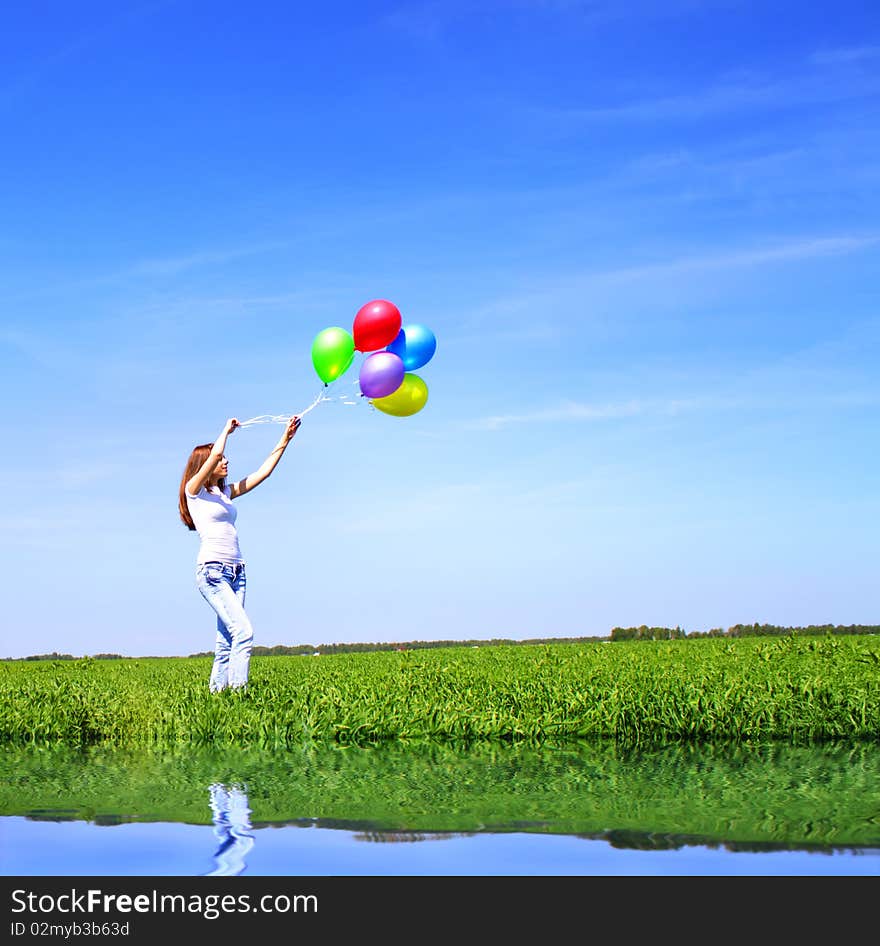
(231, 424)
(292, 428)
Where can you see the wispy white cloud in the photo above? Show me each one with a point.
(845, 54)
(802, 249)
(822, 382)
(44, 348)
(150, 268)
(48, 533)
(172, 265)
(424, 21)
(430, 507)
(71, 477)
(831, 77)
(737, 162)
(766, 400)
(826, 377)
(556, 290)
(78, 46)
(578, 411)
(725, 98)
(431, 20)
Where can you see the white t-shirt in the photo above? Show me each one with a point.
(214, 517)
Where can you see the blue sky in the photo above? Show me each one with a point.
(645, 235)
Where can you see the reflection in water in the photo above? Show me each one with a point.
(405, 837)
(232, 828)
(823, 798)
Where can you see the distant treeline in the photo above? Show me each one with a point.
(56, 656)
(281, 650)
(642, 633)
(645, 633)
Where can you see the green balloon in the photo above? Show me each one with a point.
(409, 398)
(332, 353)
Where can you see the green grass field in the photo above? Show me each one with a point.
(796, 689)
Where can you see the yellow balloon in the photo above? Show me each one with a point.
(409, 398)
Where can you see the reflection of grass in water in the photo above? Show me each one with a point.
(826, 795)
(648, 692)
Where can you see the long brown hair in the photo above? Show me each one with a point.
(193, 465)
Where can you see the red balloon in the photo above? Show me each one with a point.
(376, 325)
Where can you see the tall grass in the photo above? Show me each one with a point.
(792, 689)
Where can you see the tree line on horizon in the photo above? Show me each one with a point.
(643, 632)
(738, 630)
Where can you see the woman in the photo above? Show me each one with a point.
(205, 505)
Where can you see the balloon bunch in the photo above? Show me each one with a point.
(393, 352)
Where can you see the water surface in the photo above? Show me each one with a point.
(589, 809)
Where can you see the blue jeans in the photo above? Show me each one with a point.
(223, 586)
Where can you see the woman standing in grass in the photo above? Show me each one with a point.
(205, 505)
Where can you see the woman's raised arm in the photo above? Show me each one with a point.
(254, 479)
(205, 471)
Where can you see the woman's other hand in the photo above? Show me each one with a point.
(292, 428)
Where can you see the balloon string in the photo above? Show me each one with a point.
(285, 418)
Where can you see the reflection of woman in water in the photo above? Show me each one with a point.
(232, 828)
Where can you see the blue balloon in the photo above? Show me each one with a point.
(415, 346)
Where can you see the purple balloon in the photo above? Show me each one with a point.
(381, 374)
